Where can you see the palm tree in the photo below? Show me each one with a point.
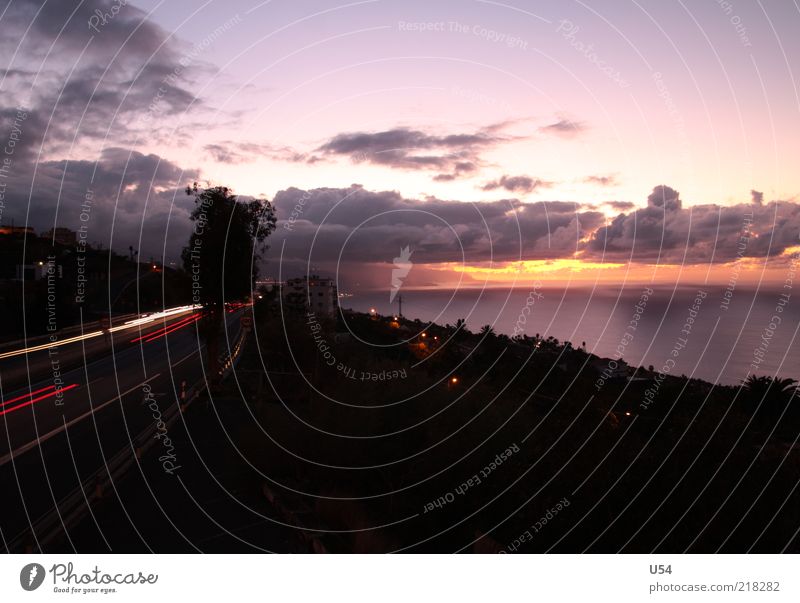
(765, 386)
(769, 396)
(487, 330)
(460, 330)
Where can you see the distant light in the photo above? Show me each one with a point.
(454, 380)
(372, 310)
(260, 297)
(154, 266)
(436, 337)
(41, 263)
(627, 414)
(424, 334)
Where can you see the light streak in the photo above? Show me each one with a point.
(28, 395)
(34, 400)
(127, 325)
(178, 327)
(162, 329)
(182, 324)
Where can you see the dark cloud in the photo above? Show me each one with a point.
(68, 23)
(124, 80)
(16, 73)
(365, 227)
(564, 127)
(453, 155)
(620, 205)
(664, 197)
(131, 195)
(98, 92)
(517, 184)
(609, 180)
(666, 232)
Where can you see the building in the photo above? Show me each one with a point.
(61, 235)
(38, 271)
(313, 293)
(609, 368)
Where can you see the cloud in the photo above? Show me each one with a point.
(223, 154)
(97, 94)
(126, 81)
(452, 155)
(355, 229)
(566, 128)
(130, 195)
(517, 184)
(666, 232)
(664, 197)
(609, 180)
(620, 205)
(246, 152)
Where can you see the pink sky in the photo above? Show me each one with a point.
(563, 102)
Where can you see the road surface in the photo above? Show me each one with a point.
(83, 401)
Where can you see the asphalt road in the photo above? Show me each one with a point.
(52, 440)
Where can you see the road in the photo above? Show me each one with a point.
(83, 401)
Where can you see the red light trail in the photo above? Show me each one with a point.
(167, 329)
(28, 395)
(174, 328)
(55, 392)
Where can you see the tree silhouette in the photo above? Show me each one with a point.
(767, 397)
(222, 255)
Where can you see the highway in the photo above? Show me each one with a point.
(67, 409)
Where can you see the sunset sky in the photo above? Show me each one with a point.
(559, 140)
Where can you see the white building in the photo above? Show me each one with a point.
(312, 292)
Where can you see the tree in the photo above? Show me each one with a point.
(770, 395)
(222, 256)
(460, 328)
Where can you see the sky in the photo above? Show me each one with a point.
(500, 141)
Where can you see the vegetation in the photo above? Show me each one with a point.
(222, 255)
(392, 426)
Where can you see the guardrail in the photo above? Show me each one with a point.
(72, 508)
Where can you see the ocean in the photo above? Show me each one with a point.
(700, 332)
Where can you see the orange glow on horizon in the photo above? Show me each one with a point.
(749, 271)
